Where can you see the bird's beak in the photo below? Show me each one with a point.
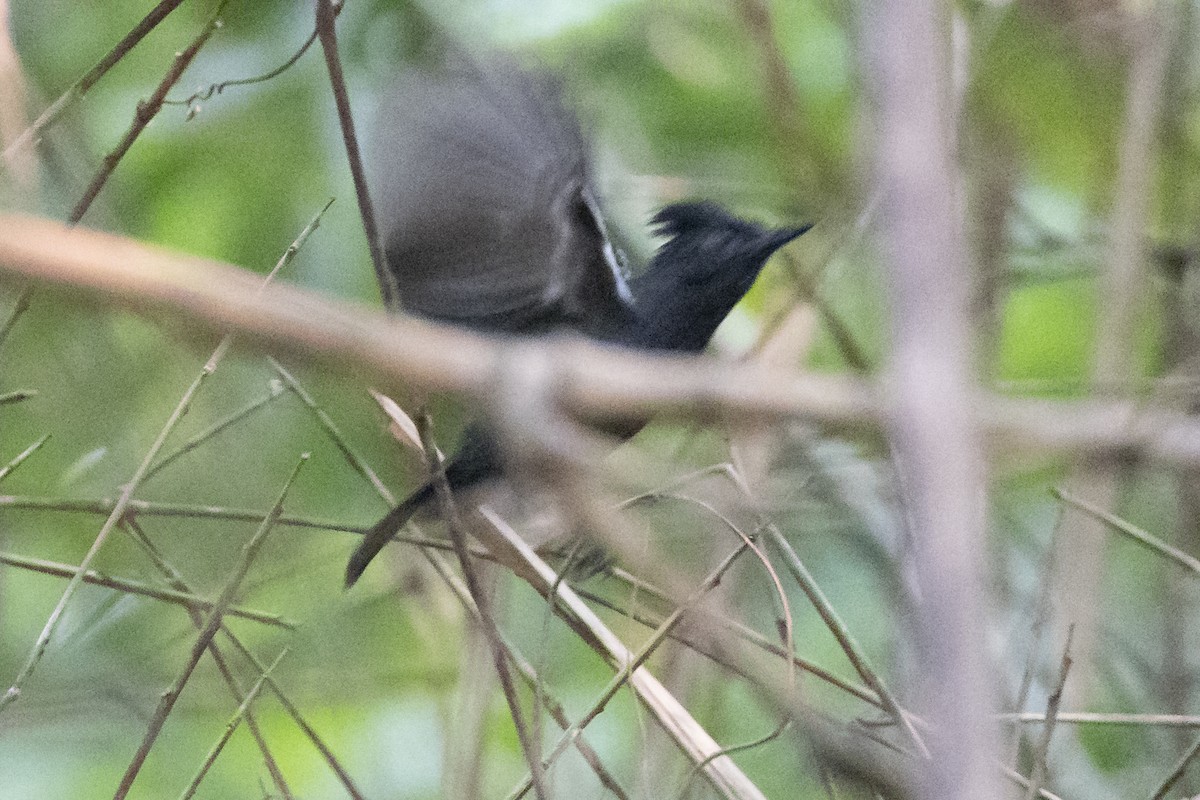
(777, 239)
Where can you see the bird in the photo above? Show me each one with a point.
(491, 221)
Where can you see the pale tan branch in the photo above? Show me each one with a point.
(405, 354)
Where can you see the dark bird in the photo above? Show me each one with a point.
(491, 222)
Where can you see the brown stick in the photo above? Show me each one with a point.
(326, 16)
(85, 83)
(146, 111)
(599, 383)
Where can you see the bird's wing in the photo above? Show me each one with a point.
(486, 207)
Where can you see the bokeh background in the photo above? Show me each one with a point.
(760, 105)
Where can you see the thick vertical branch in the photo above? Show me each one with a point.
(930, 383)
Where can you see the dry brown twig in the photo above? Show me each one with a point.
(212, 625)
(688, 735)
(145, 112)
(327, 13)
(243, 712)
(218, 654)
(1040, 757)
(174, 596)
(85, 83)
(598, 383)
(530, 748)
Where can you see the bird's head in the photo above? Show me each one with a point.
(714, 252)
(709, 260)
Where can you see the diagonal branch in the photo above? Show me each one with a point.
(146, 111)
(326, 16)
(204, 639)
(82, 86)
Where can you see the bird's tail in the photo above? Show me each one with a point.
(383, 531)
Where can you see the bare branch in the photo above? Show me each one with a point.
(931, 386)
(599, 383)
(146, 111)
(326, 16)
(205, 637)
(82, 86)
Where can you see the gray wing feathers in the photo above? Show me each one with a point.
(488, 217)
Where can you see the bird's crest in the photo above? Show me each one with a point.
(703, 215)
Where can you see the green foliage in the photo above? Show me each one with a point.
(1061, 100)
(680, 104)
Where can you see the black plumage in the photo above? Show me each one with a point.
(491, 222)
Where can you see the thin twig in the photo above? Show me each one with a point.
(152, 508)
(1139, 535)
(326, 32)
(787, 632)
(211, 626)
(839, 331)
(274, 391)
(830, 617)
(1038, 777)
(528, 674)
(695, 742)
(21, 457)
(1177, 772)
(845, 639)
(624, 674)
(235, 688)
(230, 727)
(175, 597)
(1097, 718)
(734, 749)
(146, 111)
(218, 88)
(335, 435)
(749, 635)
(17, 396)
(810, 172)
(19, 308)
(289, 255)
(1123, 278)
(458, 537)
(305, 726)
(1040, 619)
(788, 628)
(1023, 782)
(176, 580)
(81, 87)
